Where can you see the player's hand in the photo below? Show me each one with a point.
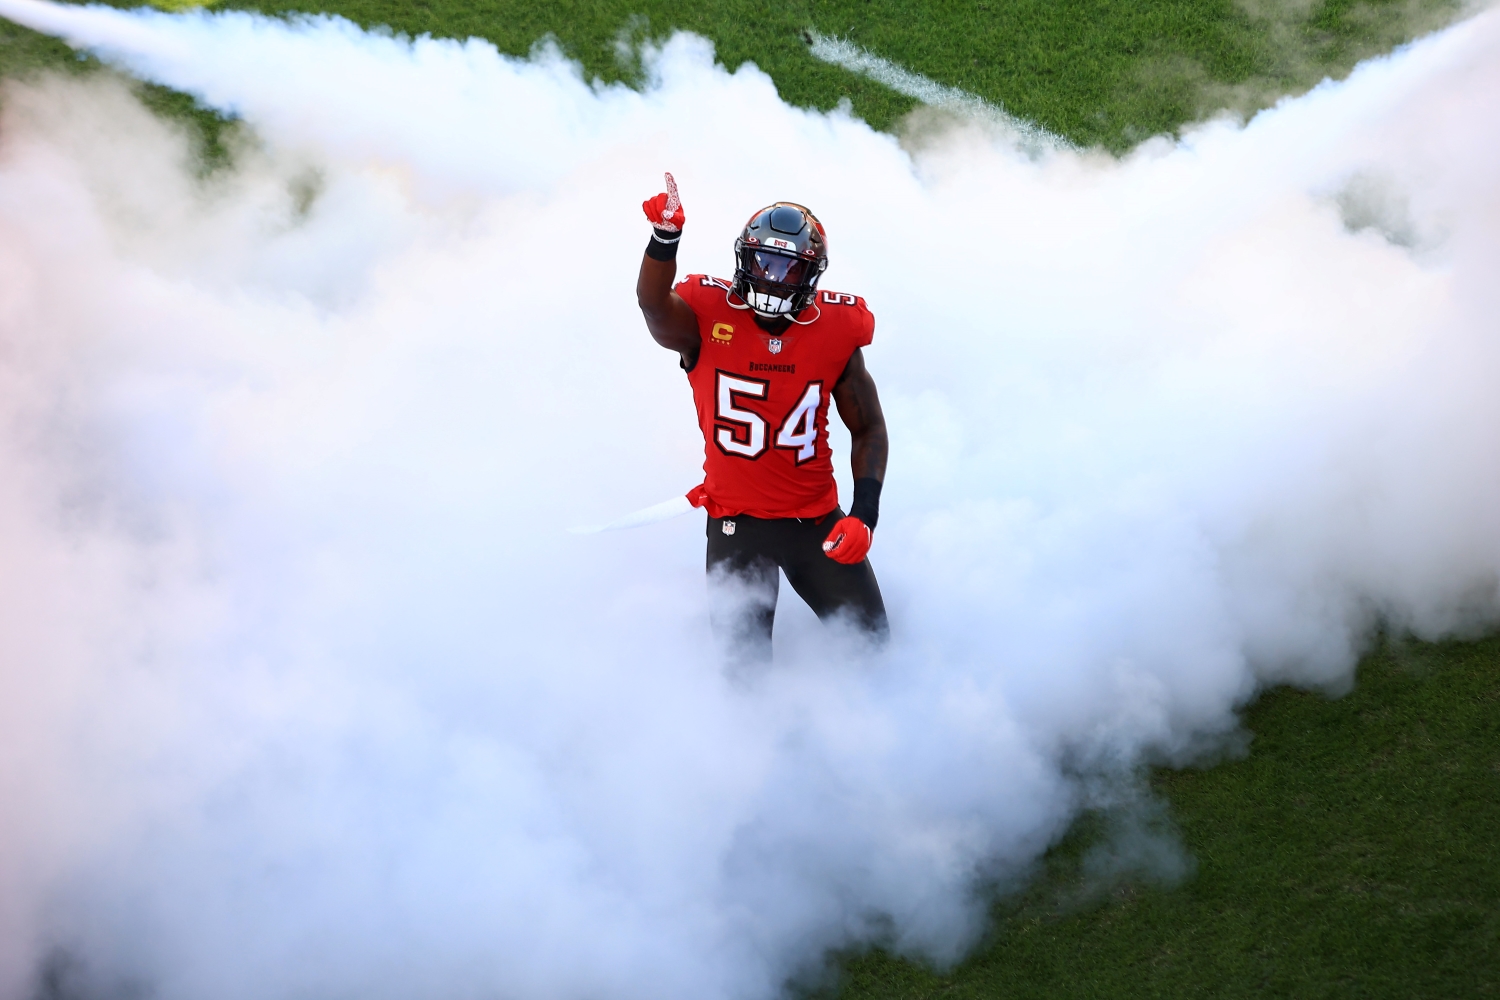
(665, 210)
(849, 541)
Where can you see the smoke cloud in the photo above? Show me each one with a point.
(305, 689)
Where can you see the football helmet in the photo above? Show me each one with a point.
(778, 259)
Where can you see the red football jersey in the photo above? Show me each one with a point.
(763, 401)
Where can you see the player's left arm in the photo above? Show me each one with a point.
(859, 407)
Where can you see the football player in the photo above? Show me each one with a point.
(764, 353)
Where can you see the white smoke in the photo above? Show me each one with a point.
(305, 689)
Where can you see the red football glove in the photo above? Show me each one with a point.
(665, 210)
(849, 541)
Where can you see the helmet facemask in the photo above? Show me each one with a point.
(775, 284)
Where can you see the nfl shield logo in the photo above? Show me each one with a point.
(775, 345)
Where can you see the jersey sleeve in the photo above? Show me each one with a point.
(697, 288)
(863, 325)
(687, 288)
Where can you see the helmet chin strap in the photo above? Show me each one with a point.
(746, 305)
(817, 314)
(808, 322)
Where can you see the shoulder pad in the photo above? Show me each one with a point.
(839, 299)
(851, 313)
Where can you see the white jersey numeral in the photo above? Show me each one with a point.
(799, 431)
(742, 432)
(748, 438)
(839, 299)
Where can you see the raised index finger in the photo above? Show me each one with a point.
(672, 200)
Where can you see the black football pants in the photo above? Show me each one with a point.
(742, 567)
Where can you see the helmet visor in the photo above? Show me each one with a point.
(775, 267)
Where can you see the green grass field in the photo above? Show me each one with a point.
(1353, 852)
(1106, 72)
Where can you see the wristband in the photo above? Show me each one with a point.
(663, 245)
(866, 505)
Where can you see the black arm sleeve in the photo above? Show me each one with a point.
(663, 245)
(866, 505)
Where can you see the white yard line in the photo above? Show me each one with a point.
(844, 53)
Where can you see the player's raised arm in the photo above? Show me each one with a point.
(859, 408)
(670, 320)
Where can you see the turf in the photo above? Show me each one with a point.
(1105, 72)
(23, 54)
(1098, 71)
(1352, 853)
